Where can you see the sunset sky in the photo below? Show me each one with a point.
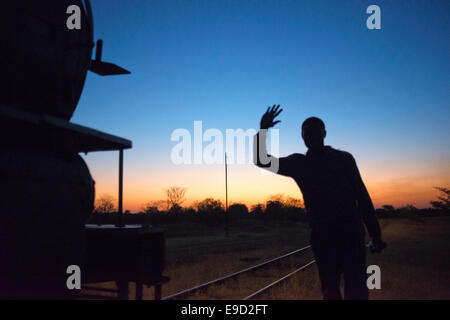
(383, 94)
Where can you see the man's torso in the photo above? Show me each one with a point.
(325, 178)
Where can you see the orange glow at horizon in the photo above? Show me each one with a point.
(249, 185)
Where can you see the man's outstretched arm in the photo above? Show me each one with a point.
(260, 156)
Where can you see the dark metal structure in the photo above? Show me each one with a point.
(123, 254)
(46, 189)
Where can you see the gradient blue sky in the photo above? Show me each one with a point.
(383, 94)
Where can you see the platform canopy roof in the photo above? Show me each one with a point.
(19, 127)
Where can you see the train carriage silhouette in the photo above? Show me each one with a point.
(47, 191)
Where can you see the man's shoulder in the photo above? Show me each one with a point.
(295, 156)
(341, 154)
(290, 165)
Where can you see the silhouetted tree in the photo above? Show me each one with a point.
(175, 209)
(190, 211)
(155, 206)
(149, 209)
(388, 207)
(105, 204)
(293, 202)
(274, 207)
(276, 198)
(409, 211)
(285, 201)
(257, 209)
(210, 205)
(175, 197)
(238, 209)
(444, 199)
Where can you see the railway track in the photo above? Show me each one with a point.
(271, 285)
(185, 293)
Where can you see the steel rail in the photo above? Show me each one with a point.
(234, 274)
(256, 293)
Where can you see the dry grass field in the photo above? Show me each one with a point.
(416, 264)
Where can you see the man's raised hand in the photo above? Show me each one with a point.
(267, 120)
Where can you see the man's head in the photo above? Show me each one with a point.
(313, 132)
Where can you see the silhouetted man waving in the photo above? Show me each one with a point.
(337, 203)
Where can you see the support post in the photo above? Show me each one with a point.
(226, 196)
(122, 289)
(139, 290)
(120, 209)
(158, 292)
